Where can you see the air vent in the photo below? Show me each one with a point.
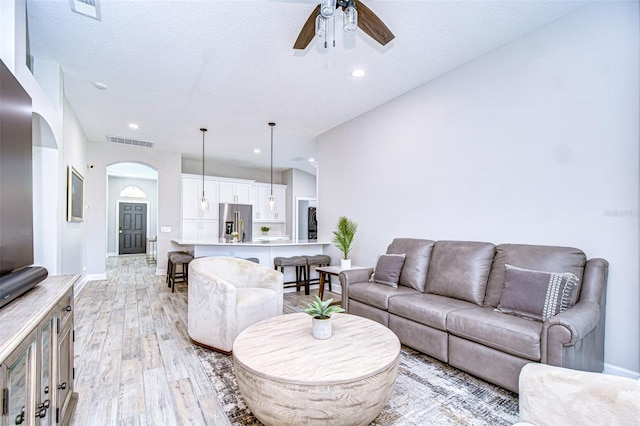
(128, 141)
(90, 8)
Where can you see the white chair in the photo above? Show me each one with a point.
(553, 396)
(227, 295)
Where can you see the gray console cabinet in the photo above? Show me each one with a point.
(36, 356)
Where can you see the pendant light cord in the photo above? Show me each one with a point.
(272, 124)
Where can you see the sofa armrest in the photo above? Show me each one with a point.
(349, 277)
(553, 396)
(568, 328)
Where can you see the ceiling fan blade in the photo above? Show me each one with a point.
(372, 25)
(308, 31)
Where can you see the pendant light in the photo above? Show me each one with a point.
(204, 203)
(272, 199)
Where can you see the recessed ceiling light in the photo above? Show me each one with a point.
(311, 160)
(256, 150)
(357, 73)
(99, 85)
(134, 126)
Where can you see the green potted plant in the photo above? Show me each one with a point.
(343, 238)
(320, 312)
(264, 229)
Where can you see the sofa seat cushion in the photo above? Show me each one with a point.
(427, 309)
(507, 333)
(377, 295)
(460, 269)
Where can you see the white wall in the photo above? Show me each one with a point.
(214, 168)
(46, 181)
(168, 165)
(72, 234)
(536, 142)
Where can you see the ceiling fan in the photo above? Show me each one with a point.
(355, 14)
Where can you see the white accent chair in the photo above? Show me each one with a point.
(554, 396)
(227, 295)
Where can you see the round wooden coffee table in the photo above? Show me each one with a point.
(287, 377)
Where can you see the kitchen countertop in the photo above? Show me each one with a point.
(287, 243)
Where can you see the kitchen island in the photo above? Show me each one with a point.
(264, 251)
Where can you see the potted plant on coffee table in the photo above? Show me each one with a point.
(320, 312)
(343, 238)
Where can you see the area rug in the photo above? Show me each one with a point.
(426, 392)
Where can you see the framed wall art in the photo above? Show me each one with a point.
(75, 195)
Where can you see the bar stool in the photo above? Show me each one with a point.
(300, 263)
(170, 266)
(175, 259)
(317, 260)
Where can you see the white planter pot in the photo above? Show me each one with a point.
(345, 263)
(321, 328)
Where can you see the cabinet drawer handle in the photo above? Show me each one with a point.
(63, 386)
(42, 413)
(20, 417)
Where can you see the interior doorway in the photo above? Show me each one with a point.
(133, 228)
(131, 183)
(306, 222)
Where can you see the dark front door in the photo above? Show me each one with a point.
(133, 228)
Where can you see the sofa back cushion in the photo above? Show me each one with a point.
(540, 258)
(460, 269)
(416, 262)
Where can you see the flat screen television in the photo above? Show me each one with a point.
(16, 191)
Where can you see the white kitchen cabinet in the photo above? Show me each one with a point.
(192, 196)
(200, 230)
(235, 192)
(262, 212)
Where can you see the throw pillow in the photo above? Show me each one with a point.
(388, 269)
(536, 294)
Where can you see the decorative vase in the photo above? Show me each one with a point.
(321, 328)
(345, 263)
(265, 232)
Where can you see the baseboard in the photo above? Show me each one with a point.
(161, 272)
(112, 254)
(79, 285)
(619, 371)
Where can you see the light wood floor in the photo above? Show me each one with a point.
(134, 362)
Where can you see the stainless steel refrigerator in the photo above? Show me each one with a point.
(236, 218)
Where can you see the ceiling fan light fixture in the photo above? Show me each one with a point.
(321, 26)
(350, 17)
(327, 8)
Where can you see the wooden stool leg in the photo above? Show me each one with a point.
(169, 269)
(306, 280)
(321, 289)
(172, 280)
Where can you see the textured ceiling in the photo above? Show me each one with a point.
(176, 66)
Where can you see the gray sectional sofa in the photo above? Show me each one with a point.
(447, 298)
